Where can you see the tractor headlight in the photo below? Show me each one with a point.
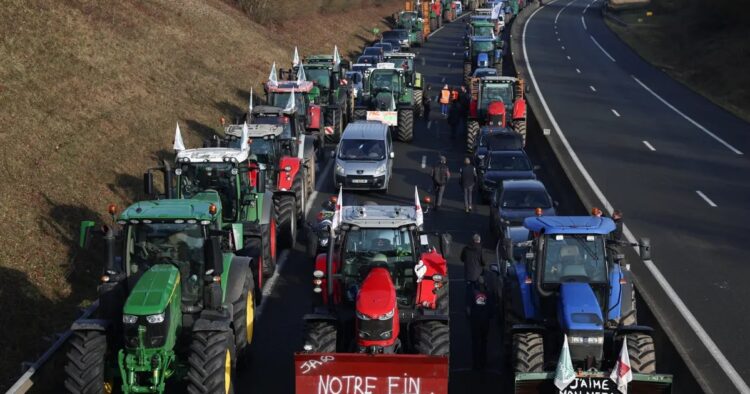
(129, 319)
(380, 170)
(362, 316)
(386, 334)
(323, 241)
(155, 319)
(387, 315)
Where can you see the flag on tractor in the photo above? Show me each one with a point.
(564, 374)
(621, 373)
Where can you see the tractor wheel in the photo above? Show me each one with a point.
(405, 125)
(285, 209)
(335, 118)
(442, 304)
(519, 127)
(319, 337)
(467, 74)
(630, 318)
(268, 251)
(360, 114)
(418, 103)
(211, 362)
(528, 352)
(642, 353)
(300, 195)
(244, 316)
(254, 249)
(432, 338)
(472, 133)
(85, 365)
(310, 174)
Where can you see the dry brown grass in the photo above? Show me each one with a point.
(702, 43)
(89, 95)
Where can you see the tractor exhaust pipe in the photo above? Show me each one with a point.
(109, 240)
(168, 180)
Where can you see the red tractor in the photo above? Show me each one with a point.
(383, 305)
(493, 98)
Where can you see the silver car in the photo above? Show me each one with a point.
(364, 157)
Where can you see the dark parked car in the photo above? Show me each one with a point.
(493, 138)
(498, 166)
(374, 51)
(399, 38)
(387, 47)
(515, 200)
(367, 60)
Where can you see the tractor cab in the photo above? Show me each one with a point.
(483, 51)
(266, 114)
(385, 85)
(405, 62)
(491, 90)
(411, 22)
(279, 95)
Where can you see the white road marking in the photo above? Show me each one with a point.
(600, 47)
(271, 283)
(558, 40)
(454, 53)
(429, 124)
(424, 158)
(583, 22)
(556, 33)
(587, 7)
(443, 80)
(689, 119)
(615, 112)
(704, 197)
(568, 57)
(563, 47)
(650, 264)
(593, 89)
(578, 71)
(649, 146)
(561, 10)
(449, 65)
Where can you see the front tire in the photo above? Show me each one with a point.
(211, 362)
(519, 127)
(85, 365)
(405, 125)
(244, 317)
(642, 353)
(285, 212)
(319, 337)
(472, 132)
(432, 338)
(528, 352)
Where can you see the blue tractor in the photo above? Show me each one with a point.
(565, 275)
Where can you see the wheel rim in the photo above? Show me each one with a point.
(249, 317)
(227, 372)
(108, 387)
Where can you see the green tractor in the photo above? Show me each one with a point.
(173, 308)
(413, 23)
(414, 80)
(330, 97)
(389, 99)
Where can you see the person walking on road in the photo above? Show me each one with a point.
(471, 256)
(445, 99)
(481, 311)
(440, 176)
(468, 180)
(426, 102)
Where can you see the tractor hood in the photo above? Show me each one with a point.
(154, 290)
(579, 308)
(384, 101)
(483, 60)
(377, 296)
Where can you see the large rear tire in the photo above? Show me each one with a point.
(360, 114)
(442, 304)
(519, 127)
(467, 74)
(244, 317)
(405, 125)
(472, 133)
(85, 365)
(310, 174)
(319, 337)
(300, 194)
(418, 103)
(642, 353)
(285, 211)
(432, 338)
(528, 352)
(211, 363)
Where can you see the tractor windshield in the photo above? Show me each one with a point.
(496, 92)
(385, 82)
(198, 177)
(281, 99)
(263, 148)
(483, 46)
(278, 120)
(179, 244)
(574, 258)
(484, 31)
(405, 64)
(408, 17)
(319, 76)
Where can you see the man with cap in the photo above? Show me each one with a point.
(440, 176)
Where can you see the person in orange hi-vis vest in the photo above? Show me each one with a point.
(445, 99)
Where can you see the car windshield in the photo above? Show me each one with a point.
(356, 149)
(391, 35)
(504, 162)
(525, 199)
(319, 76)
(387, 47)
(483, 46)
(399, 62)
(199, 177)
(366, 59)
(179, 244)
(370, 51)
(574, 258)
(497, 92)
(407, 17)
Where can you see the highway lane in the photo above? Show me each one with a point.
(673, 161)
(278, 331)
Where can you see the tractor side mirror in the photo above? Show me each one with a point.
(85, 230)
(148, 183)
(508, 249)
(644, 248)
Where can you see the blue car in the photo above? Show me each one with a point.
(498, 166)
(515, 200)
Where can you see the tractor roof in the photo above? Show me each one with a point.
(482, 38)
(288, 86)
(268, 110)
(379, 216)
(400, 55)
(212, 155)
(570, 224)
(171, 210)
(498, 79)
(255, 130)
(318, 59)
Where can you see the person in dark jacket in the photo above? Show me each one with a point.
(440, 177)
(481, 311)
(468, 180)
(474, 263)
(617, 218)
(426, 103)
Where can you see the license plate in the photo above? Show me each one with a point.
(359, 180)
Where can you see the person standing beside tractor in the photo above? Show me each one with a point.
(479, 300)
(440, 176)
(468, 180)
(426, 103)
(445, 99)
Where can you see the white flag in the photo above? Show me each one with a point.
(250, 105)
(336, 56)
(295, 60)
(178, 144)
(622, 374)
(564, 374)
(337, 212)
(301, 77)
(272, 78)
(244, 138)
(291, 105)
(496, 10)
(419, 214)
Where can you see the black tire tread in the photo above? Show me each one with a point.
(642, 353)
(321, 335)
(285, 212)
(405, 125)
(239, 309)
(84, 369)
(472, 133)
(432, 338)
(528, 352)
(206, 362)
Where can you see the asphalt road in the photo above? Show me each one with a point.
(675, 163)
(279, 327)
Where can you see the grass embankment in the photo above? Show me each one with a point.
(89, 94)
(702, 43)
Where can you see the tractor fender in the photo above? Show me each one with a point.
(624, 330)
(320, 265)
(312, 317)
(527, 328)
(426, 316)
(238, 269)
(90, 325)
(213, 320)
(288, 169)
(524, 293)
(314, 116)
(519, 109)
(265, 216)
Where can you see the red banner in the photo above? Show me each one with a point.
(353, 373)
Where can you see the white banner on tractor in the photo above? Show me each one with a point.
(387, 117)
